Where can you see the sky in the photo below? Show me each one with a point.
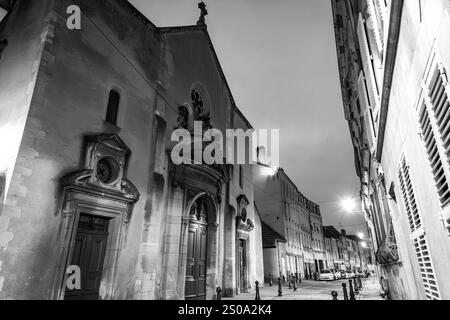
(279, 58)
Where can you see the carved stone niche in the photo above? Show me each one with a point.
(242, 221)
(104, 169)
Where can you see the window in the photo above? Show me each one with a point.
(418, 235)
(113, 107)
(241, 177)
(434, 118)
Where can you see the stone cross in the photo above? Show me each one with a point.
(203, 13)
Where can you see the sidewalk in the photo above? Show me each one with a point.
(371, 290)
(313, 290)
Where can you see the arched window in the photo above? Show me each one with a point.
(113, 107)
(241, 177)
(3, 44)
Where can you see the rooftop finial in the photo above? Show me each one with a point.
(203, 13)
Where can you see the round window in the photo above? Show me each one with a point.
(107, 170)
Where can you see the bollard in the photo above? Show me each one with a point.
(270, 280)
(280, 290)
(219, 293)
(257, 297)
(334, 294)
(344, 287)
(290, 281)
(352, 293)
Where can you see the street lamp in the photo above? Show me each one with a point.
(348, 204)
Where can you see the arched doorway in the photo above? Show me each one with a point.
(197, 250)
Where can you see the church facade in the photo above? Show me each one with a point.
(86, 173)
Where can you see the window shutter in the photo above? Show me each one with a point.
(418, 235)
(434, 119)
(374, 23)
(365, 109)
(367, 63)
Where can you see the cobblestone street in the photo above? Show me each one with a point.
(315, 290)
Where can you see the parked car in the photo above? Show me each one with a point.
(360, 273)
(337, 274)
(350, 274)
(326, 275)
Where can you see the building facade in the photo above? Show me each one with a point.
(393, 61)
(346, 252)
(315, 219)
(293, 223)
(86, 121)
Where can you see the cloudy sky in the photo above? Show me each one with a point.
(279, 58)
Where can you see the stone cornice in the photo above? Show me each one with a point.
(391, 55)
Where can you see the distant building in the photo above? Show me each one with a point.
(394, 61)
(293, 237)
(345, 252)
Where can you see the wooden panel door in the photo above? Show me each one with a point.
(88, 254)
(242, 266)
(195, 286)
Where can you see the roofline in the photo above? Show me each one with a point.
(204, 29)
(279, 237)
(137, 13)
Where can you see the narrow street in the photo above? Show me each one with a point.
(315, 290)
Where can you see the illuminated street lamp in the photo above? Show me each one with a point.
(348, 204)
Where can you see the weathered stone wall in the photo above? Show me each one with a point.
(26, 31)
(419, 31)
(77, 70)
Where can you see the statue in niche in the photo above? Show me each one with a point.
(183, 118)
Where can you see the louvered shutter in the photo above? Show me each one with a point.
(375, 24)
(365, 109)
(367, 63)
(417, 232)
(434, 119)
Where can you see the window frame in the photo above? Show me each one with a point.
(121, 107)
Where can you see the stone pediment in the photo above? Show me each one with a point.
(103, 172)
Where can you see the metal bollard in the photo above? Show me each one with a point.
(270, 280)
(280, 290)
(352, 293)
(344, 287)
(334, 294)
(257, 297)
(219, 293)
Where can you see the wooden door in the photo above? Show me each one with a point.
(242, 266)
(89, 253)
(195, 287)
